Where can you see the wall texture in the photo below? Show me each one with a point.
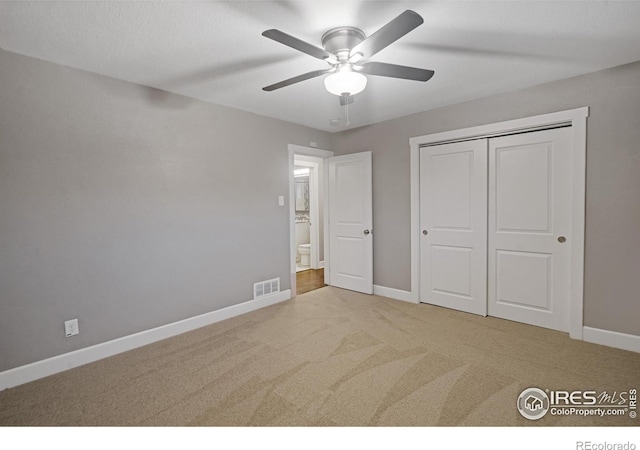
(612, 265)
(129, 208)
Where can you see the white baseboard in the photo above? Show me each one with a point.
(612, 339)
(395, 294)
(53, 365)
(594, 335)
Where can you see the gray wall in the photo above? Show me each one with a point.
(612, 266)
(129, 208)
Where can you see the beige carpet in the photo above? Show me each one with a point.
(330, 358)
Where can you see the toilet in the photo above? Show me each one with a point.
(304, 250)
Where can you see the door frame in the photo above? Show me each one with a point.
(577, 118)
(317, 153)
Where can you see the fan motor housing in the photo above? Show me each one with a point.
(341, 40)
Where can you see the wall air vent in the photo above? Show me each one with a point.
(266, 288)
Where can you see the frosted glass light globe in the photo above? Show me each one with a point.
(345, 82)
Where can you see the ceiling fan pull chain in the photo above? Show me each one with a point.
(346, 111)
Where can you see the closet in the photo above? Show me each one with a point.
(495, 219)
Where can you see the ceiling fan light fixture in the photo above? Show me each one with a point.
(348, 51)
(345, 82)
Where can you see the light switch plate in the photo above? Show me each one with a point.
(280, 200)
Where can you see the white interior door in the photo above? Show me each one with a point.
(530, 227)
(350, 222)
(453, 219)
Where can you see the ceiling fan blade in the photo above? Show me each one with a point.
(346, 100)
(387, 35)
(299, 45)
(395, 71)
(299, 78)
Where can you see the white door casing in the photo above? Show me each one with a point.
(453, 211)
(350, 222)
(529, 247)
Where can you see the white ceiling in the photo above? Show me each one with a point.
(214, 51)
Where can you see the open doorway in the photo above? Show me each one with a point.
(306, 217)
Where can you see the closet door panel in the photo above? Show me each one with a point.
(529, 227)
(453, 208)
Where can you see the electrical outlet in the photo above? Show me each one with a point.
(71, 328)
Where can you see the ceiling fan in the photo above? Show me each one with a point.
(347, 51)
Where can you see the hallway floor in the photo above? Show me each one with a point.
(309, 280)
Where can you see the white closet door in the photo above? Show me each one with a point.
(453, 219)
(530, 227)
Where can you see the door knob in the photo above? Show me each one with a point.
(425, 232)
(367, 231)
(562, 239)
